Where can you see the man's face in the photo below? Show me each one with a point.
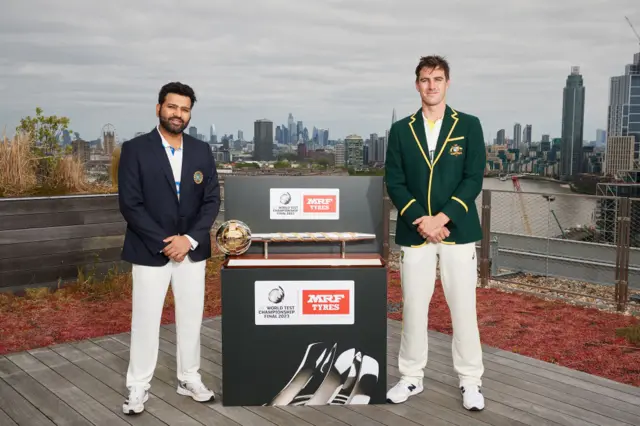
(174, 113)
(432, 86)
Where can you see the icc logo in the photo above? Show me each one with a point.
(285, 198)
(276, 295)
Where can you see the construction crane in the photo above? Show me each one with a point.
(525, 218)
(633, 29)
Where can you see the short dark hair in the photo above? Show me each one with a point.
(177, 88)
(433, 61)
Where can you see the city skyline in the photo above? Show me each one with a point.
(337, 66)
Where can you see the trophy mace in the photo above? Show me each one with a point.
(234, 238)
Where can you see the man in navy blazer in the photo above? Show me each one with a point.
(169, 196)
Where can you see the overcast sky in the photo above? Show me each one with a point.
(339, 64)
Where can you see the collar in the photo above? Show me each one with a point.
(165, 144)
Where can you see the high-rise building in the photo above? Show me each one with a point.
(500, 137)
(354, 151)
(527, 137)
(624, 106)
(572, 125)
(620, 150)
(263, 140)
(340, 156)
(293, 134)
(517, 135)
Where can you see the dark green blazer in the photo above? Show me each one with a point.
(449, 184)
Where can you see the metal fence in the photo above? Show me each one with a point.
(584, 246)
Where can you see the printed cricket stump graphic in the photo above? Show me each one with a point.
(326, 378)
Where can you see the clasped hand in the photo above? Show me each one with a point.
(432, 228)
(178, 247)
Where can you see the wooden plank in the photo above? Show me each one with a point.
(40, 277)
(88, 384)
(61, 233)
(110, 370)
(40, 248)
(88, 407)
(93, 369)
(312, 416)
(60, 259)
(601, 382)
(389, 418)
(165, 373)
(5, 420)
(16, 206)
(572, 396)
(521, 400)
(19, 409)
(601, 385)
(440, 350)
(48, 220)
(37, 394)
(543, 397)
(424, 412)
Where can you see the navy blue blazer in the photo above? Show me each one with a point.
(149, 202)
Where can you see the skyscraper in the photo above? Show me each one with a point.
(263, 140)
(572, 125)
(624, 105)
(517, 135)
(527, 137)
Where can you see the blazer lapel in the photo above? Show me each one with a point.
(186, 177)
(417, 128)
(449, 122)
(163, 160)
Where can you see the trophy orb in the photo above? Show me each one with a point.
(233, 237)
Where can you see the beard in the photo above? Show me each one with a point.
(173, 128)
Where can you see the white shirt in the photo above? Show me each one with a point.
(175, 159)
(432, 131)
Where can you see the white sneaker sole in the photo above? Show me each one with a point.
(473, 407)
(199, 398)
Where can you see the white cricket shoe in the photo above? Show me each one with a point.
(472, 398)
(134, 404)
(198, 391)
(402, 391)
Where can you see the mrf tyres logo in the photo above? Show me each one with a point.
(319, 204)
(325, 302)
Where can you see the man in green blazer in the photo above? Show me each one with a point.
(435, 165)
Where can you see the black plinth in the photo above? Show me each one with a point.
(321, 336)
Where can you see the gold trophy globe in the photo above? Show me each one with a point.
(234, 238)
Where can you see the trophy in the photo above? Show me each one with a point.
(234, 238)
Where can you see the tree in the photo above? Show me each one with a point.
(44, 132)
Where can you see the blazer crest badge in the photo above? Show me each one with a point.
(455, 150)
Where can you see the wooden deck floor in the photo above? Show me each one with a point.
(83, 384)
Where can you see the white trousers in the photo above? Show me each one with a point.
(459, 275)
(150, 285)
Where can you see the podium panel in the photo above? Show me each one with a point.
(305, 335)
(304, 291)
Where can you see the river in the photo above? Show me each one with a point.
(533, 214)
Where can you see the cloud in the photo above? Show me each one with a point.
(340, 64)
